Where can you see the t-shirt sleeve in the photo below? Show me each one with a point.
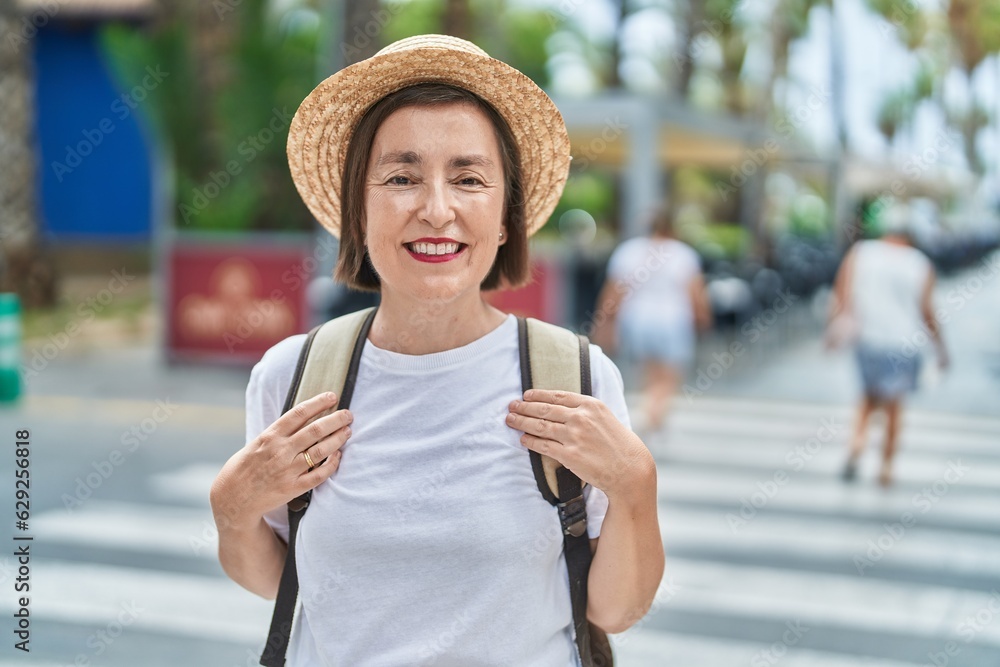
(265, 397)
(607, 387)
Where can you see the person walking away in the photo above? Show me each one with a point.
(883, 293)
(652, 303)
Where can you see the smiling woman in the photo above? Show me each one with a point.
(434, 534)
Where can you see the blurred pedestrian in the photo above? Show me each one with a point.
(433, 163)
(883, 304)
(651, 306)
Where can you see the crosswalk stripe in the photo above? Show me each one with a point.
(734, 491)
(185, 605)
(722, 407)
(918, 471)
(822, 599)
(754, 429)
(836, 539)
(646, 647)
(179, 531)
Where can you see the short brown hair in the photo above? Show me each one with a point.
(354, 267)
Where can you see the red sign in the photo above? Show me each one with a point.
(541, 298)
(231, 303)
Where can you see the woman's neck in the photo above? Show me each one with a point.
(408, 327)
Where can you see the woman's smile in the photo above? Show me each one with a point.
(435, 250)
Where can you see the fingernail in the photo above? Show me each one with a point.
(347, 431)
(330, 396)
(349, 415)
(510, 418)
(514, 405)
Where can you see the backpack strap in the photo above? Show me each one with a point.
(328, 362)
(555, 358)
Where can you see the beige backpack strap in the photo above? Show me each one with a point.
(554, 354)
(556, 359)
(330, 356)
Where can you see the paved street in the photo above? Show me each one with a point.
(771, 559)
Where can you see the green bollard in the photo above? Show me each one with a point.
(10, 347)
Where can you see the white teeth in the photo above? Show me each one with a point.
(434, 249)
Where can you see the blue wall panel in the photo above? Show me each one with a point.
(95, 167)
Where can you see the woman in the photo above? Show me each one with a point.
(652, 303)
(427, 540)
(883, 296)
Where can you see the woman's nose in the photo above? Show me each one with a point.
(438, 207)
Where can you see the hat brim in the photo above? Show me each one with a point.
(322, 127)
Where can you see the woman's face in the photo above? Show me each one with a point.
(434, 198)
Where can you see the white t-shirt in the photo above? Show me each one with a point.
(886, 290)
(658, 273)
(431, 545)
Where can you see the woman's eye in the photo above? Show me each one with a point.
(469, 180)
(399, 180)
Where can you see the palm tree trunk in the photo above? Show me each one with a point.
(458, 19)
(358, 15)
(23, 266)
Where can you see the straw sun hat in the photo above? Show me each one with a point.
(322, 126)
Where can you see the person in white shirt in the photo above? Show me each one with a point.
(883, 295)
(652, 303)
(427, 541)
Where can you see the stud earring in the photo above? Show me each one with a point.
(501, 236)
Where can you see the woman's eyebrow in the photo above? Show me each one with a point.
(471, 160)
(398, 157)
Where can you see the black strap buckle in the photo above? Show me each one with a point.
(300, 503)
(573, 516)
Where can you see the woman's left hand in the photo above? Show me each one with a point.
(581, 433)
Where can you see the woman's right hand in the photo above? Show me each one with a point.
(272, 469)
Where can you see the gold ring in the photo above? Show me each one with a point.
(309, 461)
